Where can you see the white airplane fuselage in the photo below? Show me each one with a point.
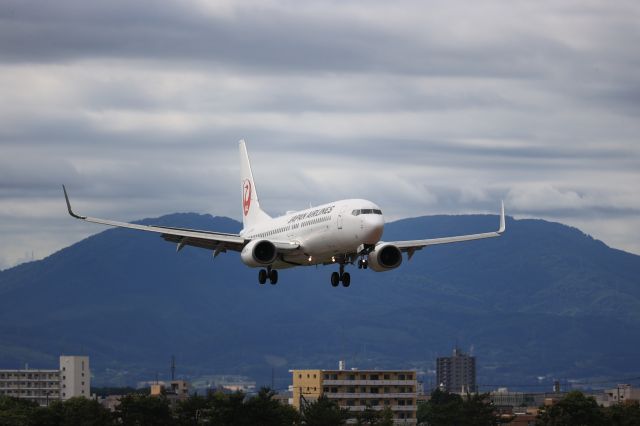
(325, 233)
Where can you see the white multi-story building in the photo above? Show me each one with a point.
(73, 378)
(358, 390)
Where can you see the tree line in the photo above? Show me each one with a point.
(238, 409)
(575, 409)
(219, 409)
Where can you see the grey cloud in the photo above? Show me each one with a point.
(444, 107)
(267, 39)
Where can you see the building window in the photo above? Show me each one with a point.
(352, 376)
(374, 377)
(314, 376)
(400, 376)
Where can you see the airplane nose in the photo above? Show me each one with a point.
(373, 226)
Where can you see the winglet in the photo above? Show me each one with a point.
(66, 197)
(502, 221)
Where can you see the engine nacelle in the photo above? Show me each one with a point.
(259, 253)
(385, 257)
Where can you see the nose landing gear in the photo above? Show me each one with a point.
(363, 263)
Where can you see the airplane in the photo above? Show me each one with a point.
(344, 232)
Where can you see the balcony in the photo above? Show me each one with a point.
(342, 395)
(370, 382)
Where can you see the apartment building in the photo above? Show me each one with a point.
(457, 373)
(356, 390)
(72, 378)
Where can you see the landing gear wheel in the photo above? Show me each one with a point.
(335, 279)
(273, 277)
(363, 263)
(262, 276)
(346, 279)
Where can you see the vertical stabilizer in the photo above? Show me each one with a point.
(252, 214)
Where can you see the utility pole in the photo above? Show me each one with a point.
(173, 368)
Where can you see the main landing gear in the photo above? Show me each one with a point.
(343, 276)
(269, 273)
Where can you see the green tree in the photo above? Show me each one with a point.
(16, 412)
(264, 410)
(227, 409)
(446, 409)
(477, 410)
(324, 412)
(572, 410)
(442, 409)
(371, 417)
(368, 417)
(627, 414)
(142, 410)
(386, 417)
(192, 411)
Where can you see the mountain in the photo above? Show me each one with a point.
(545, 300)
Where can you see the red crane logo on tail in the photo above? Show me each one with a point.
(246, 196)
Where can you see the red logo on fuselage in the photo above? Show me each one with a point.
(246, 196)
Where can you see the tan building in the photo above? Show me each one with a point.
(356, 390)
(73, 378)
(175, 388)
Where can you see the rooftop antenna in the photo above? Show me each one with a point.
(173, 368)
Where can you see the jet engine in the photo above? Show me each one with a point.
(385, 257)
(258, 253)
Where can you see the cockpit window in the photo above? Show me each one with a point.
(365, 211)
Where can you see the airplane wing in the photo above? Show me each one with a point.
(412, 245)
(217, 241)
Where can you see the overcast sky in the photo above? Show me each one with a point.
(424, 107)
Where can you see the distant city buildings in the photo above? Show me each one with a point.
(356, 390)
(71, 379)
(456, 373)
(621, 394)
